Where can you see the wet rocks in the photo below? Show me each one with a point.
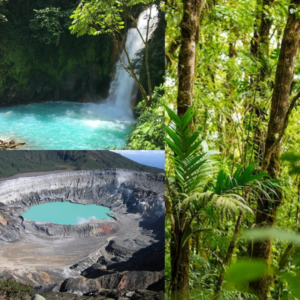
(9, 145)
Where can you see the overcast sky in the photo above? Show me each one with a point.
(153, 158)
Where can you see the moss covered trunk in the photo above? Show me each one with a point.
(280, 111)
(180, 261)
(187, 57)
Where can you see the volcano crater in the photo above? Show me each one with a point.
(106, 252)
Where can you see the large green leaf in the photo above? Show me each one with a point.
(245, 271)
(261, 234)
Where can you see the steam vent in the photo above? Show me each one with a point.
(123, 252)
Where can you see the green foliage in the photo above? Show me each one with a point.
(10, 289)
(273, 233)
(2, 16)
(232, 106)
(245, 271)
(148, 132)
(23, 60)
(293, 161)
(193, 169)
(48, 24)
(103, 17)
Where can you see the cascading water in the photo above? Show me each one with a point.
(123, 88)
(81, 126)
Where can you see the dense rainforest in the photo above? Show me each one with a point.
(42, 60)
(232, 149)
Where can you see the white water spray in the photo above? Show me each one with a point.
(123, 88)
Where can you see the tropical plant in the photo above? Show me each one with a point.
(194, 193)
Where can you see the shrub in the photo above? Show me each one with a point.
(9, 288)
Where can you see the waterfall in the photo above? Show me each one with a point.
(123, 88)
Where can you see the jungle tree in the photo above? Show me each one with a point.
(281, 108)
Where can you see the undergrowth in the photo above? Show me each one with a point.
(10, 289)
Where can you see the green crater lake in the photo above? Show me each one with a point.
(66, 213)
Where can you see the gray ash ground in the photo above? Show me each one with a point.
(96, 258)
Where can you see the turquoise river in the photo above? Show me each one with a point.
(65, 125)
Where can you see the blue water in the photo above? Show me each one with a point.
(66, 213)
(65, 125)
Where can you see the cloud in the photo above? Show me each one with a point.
(81, 220)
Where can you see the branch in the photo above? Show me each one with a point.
(293, 103)
(291, 107)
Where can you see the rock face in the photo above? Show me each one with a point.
(110, 294)
(125, 280)
(81, 84)
(127, 251)
(3, 221)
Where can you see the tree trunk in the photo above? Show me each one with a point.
(147, 60)
(264, 41)
(229, 253)
(260, 51)
(279, 115)
(187, 57)
(180, 262)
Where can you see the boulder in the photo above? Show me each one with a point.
(3, 221)
(37, 297)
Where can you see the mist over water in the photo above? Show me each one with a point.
(81, 220)
(63, 125)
